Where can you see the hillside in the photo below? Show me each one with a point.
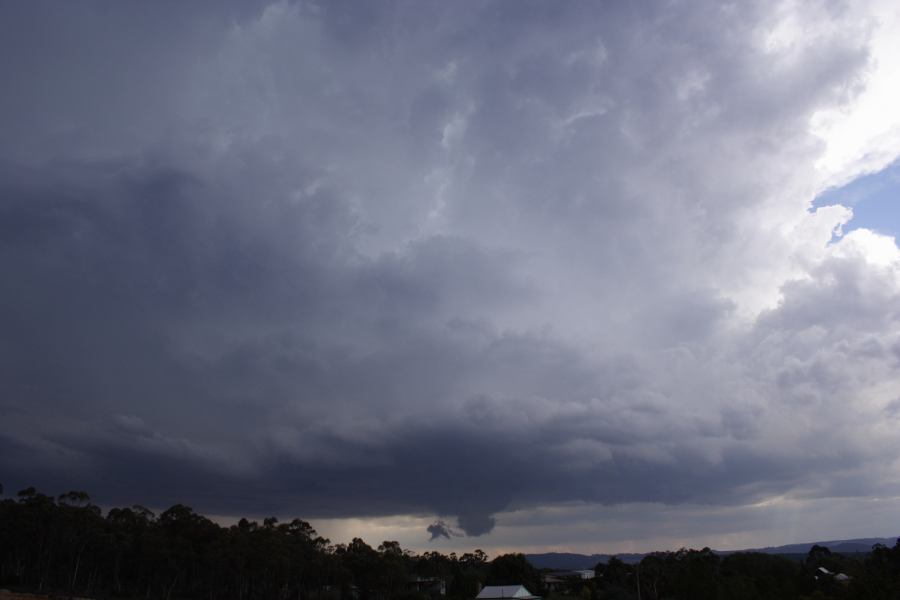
(572, 561)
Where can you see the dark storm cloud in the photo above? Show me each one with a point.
(439, 529)
(115, 274)
(417, 259)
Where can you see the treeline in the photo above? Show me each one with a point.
(706, 575)
(66, 546)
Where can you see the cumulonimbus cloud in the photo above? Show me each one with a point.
(438, 260)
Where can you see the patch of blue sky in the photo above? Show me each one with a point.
(874, 198)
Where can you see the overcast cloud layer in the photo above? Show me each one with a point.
(445, 260)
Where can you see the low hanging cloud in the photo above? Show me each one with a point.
(440, 529)
(430, 260)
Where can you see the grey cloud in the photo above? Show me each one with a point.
(412, 259)
(439, 529)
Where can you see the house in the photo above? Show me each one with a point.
(585, 573)
(559, 581)
(430, 586)
(839, 577)
(495, 592)
(555, 583)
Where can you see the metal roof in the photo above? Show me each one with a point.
(505, 591)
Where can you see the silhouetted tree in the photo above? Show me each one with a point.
(510, 569)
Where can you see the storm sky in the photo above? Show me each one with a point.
(511, 275)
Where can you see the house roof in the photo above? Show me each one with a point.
(505, 591)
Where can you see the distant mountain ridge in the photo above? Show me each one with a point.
(567, 561)
(844, 546)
